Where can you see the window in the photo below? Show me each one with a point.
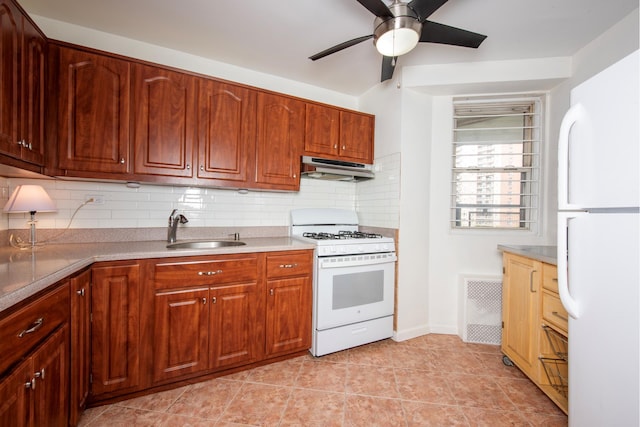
(496, 163)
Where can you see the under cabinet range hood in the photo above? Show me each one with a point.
(335, 170)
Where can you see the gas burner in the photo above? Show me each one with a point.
(320, 236)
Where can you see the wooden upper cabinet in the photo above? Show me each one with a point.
(279, 141)
(322, 130)
(22, 92)
(165, 121)
(356, 136)
(226, 137)
(93, 112)
(10, 33)
(338, 134)
(34, 48)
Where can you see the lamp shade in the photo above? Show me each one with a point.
(29, 198)
(397, 36)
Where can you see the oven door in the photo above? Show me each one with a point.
(354, 288)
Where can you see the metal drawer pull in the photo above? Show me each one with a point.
(39, 374)
(288, 265)
(209, 273)
(271, 292)
(204, 300)
(31, 384)
(31, 329)
(531, 281)
(565, 318)
(80, 292)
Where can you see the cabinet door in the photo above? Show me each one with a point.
(10, 30)
(80, 343)
(51, 373)
(180, 334)
(226, 136)
(165, 121)
(115, 338)
(322, 130)
(520, 312)
(356, 136)
(279, 142)
(236, 329)
(33, 94)
(93, 112)
(14, 397)
(288, 325)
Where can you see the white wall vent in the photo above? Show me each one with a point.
(482, 322)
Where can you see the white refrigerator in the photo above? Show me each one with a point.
(598, 246)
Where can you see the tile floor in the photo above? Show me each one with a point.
(433, 380)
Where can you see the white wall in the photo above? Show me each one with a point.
(437, 264)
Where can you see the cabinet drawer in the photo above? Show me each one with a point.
(185, 272)
(553, 312)
(550, 277)
(24, 329)
(289, 264)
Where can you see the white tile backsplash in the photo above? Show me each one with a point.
(149, 206)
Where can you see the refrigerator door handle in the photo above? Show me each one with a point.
(575, 113)
(567, 300)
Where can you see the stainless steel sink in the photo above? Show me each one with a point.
(204, 244)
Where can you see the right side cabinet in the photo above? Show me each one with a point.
(535, 324)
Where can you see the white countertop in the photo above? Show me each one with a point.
(24, 273)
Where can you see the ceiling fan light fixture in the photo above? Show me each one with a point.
(397, 36)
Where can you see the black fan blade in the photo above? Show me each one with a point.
(388, 65)
(377, 7)
(339, 47)
(433, 32)
(424, 8)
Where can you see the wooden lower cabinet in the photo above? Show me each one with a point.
(80, 344)
(180, 334)
(534, 335)
(35, 393)
(520, 296)
(236, 328)
(115, 334)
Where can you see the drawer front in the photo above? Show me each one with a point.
(210, 271)
(290, 264)
(554, 313)
(550, 277)
(23, 330)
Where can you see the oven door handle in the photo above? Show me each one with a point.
(356, 261)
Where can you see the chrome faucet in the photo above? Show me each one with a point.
(174, 220)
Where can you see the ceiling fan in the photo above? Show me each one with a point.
(399, 27)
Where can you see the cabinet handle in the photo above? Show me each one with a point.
(202, 167)
(288, 265)
(188, 166)
(32, 328)
(80, 292)
(39, 374)
(122, 161)
(560, 316)
(335, 145)
(271, 292)
(204, 300)
(344, 147)
(214, 300)
(209, 273)
(531, 281)
(31, 384)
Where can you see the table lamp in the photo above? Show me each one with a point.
(32, 199)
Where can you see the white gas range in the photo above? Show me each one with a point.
(353, 284)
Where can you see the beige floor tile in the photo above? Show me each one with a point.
(160, 401)
(479, 417)
(431, 415)
(371, 381)
(365, 411)
(206, 400)
(257, 404)
(479, 392)
(527, 397)
(314, 408)
(280, 373)
(424, 386)
(326, 376)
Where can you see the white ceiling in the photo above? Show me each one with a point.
(277, 37)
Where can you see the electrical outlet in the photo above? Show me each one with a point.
(98, 199)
